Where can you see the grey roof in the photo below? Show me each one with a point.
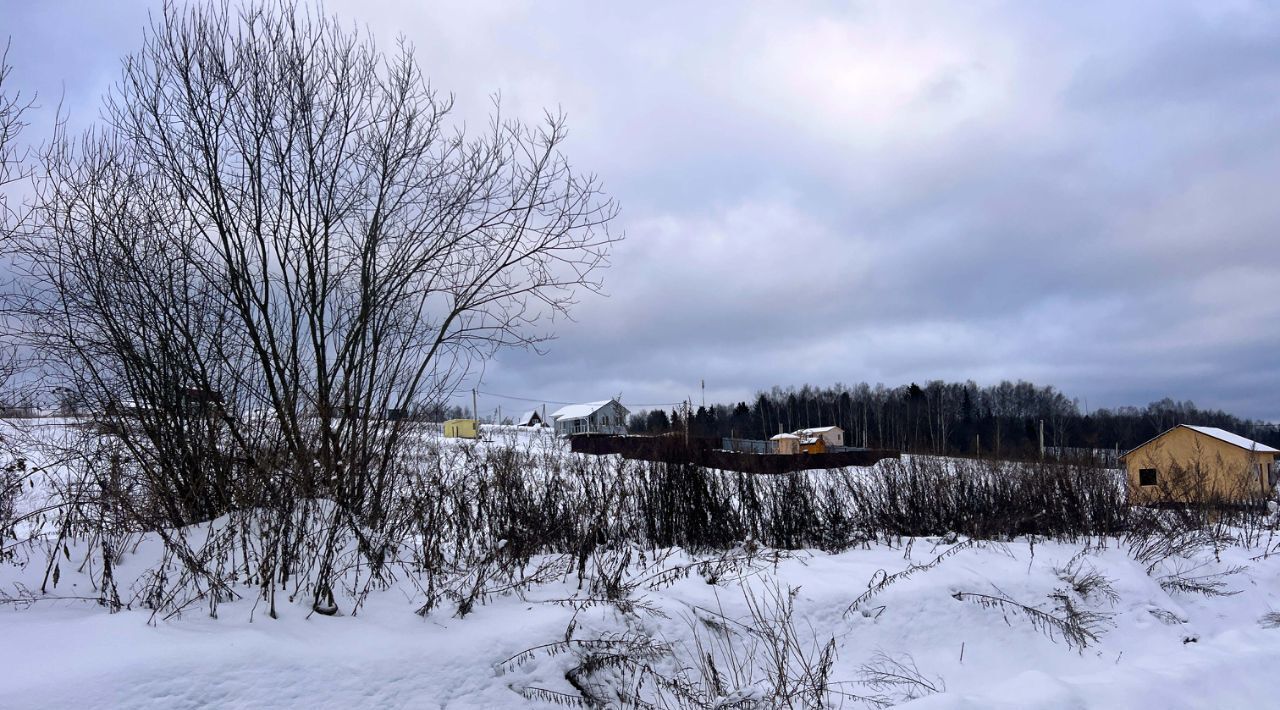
(578, 411)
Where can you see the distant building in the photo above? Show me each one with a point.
(830, 435)
(786, 444)
(531, 418)
(813, 445)
(817, 440)
(1199, 464)
(604, 417)
(461, 429)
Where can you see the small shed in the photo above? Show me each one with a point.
(531, 418)
(604, 417)
(786, 443)
(1199, 464)
(461, 429)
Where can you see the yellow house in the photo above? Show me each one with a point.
(461, 429)
(1199, 464)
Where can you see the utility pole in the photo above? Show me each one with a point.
(704, 394)
(475, 410)
(1042, 439)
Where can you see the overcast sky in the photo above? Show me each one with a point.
(1087, 196)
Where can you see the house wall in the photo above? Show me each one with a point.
(819, 446)
(461, 429)
(788, 446)
(572, 426)
(1192, 466)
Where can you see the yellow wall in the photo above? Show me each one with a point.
(819, 446)
(461, 429)
(1194, 466)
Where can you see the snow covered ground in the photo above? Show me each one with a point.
(952, 622)
(1159, 650)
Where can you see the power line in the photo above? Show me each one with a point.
(550, 401)
(660, 404)
(522, 399)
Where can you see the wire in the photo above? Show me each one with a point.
(522, 399)
(548, 401)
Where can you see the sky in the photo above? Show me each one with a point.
(1076, 194)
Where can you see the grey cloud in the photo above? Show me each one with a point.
(1191, 60)
(819, 192)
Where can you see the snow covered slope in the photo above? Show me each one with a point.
(1154, 648)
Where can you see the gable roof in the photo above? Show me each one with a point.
(1214, 432)
(1233, 439)
(527, 418)
(779, 437)
(819, 430)
(577, 411)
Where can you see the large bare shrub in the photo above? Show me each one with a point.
(276, 247)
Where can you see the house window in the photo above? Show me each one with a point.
(1146, 477)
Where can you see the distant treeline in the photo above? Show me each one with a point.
(947, 418)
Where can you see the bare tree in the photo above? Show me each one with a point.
(13, 170)
(277, 243)
(13, 106)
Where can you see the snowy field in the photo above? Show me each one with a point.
(925, 622)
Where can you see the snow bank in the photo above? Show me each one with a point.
(1158, 649)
